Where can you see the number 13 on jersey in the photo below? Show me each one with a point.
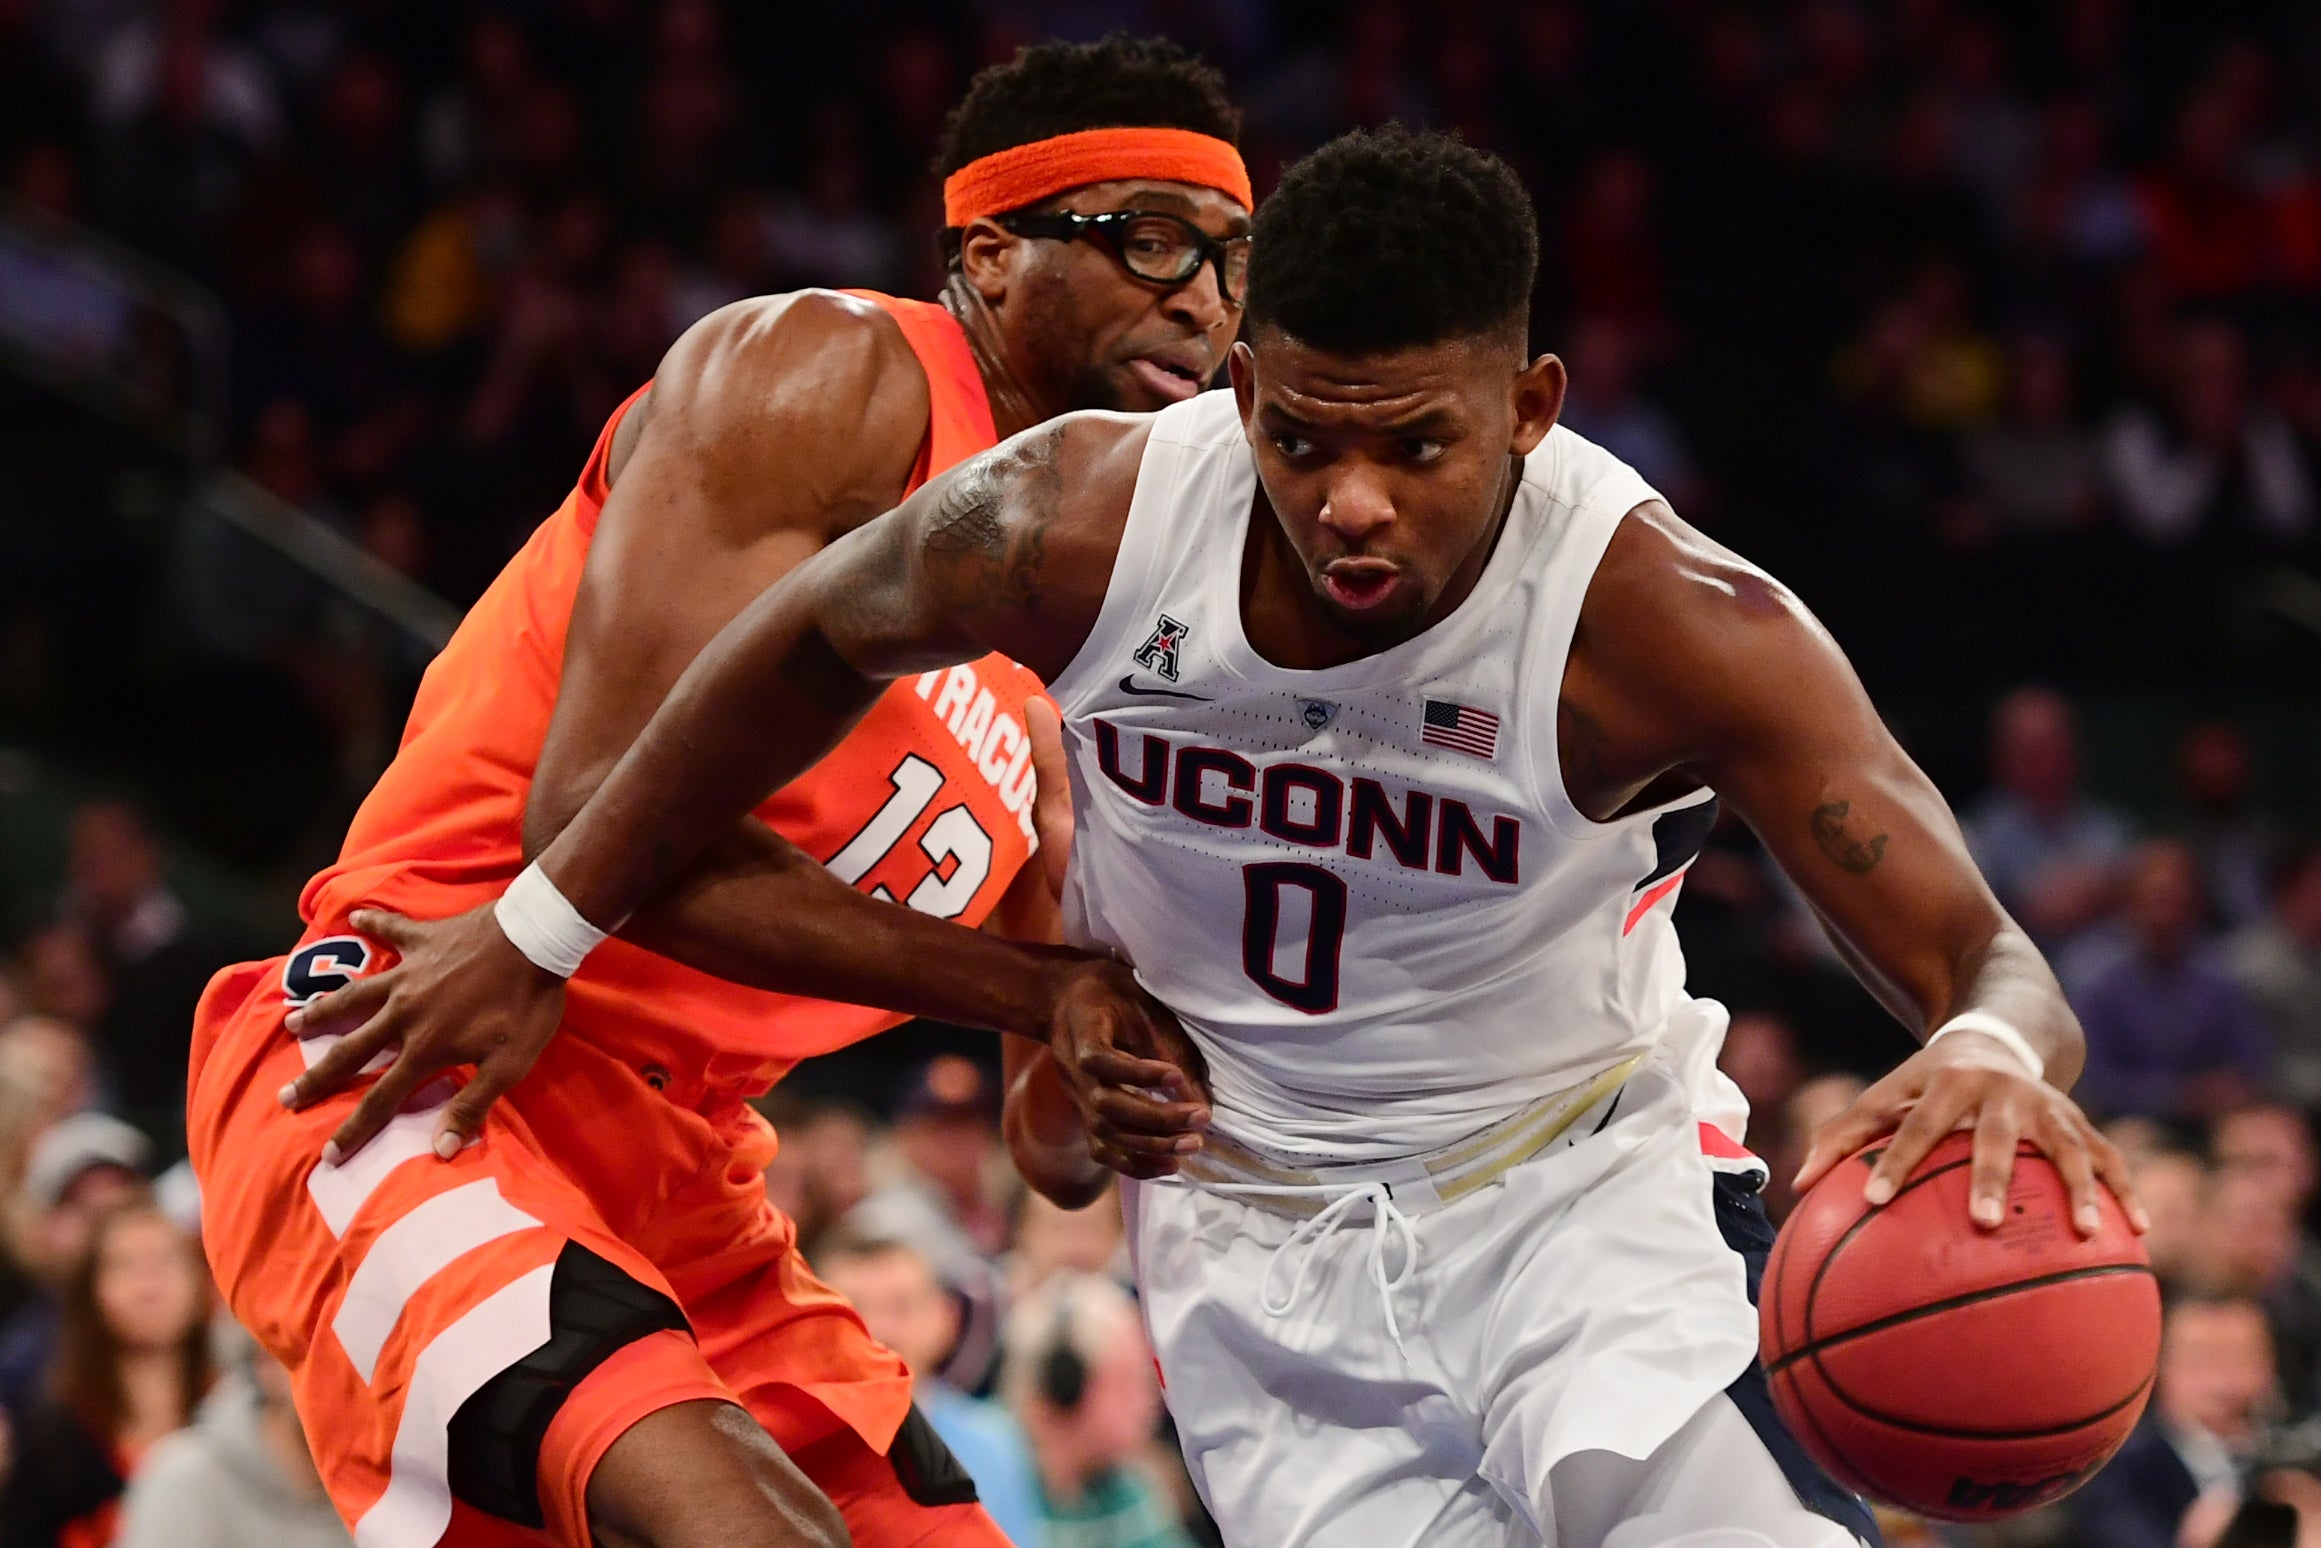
(954, 838)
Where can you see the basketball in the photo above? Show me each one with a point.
(1961, 1373)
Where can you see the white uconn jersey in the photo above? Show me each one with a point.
(1363, 889)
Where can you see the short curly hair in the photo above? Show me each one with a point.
(1391, 237)
(1049, 89)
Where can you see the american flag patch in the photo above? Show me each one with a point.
(1461, 728)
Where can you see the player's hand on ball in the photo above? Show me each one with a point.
(461, 994)
(1970, 1081)
(1140, 1084)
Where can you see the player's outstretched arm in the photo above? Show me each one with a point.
(996, 554)
(1695, 667)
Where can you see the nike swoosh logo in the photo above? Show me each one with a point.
(1128, 685)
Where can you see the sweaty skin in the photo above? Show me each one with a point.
(1386, 479)
(775, 427)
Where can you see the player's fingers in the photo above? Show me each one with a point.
(1930, 1119)
(341, 1063)
(398, 930)
(385, 1098)
(1871, 1115)
(342, 1009)
(2117, 1175)
(1128, 1163)
(1128, 1112)
(1151, 1145)
(2067, 1148)
(463, 1115)
(1996, 1132)
(1111, 1067)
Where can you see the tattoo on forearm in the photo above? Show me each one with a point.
(991, 527)
(1850, 853)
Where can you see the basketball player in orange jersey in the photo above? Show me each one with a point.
(579, 1313)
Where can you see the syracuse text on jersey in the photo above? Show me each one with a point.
(997, 744)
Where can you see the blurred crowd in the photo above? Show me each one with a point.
(1996, 330)
(2017, 302)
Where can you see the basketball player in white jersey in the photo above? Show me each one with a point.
(1393, 712)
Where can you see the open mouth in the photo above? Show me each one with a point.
(1170, 379)
(1360, 584)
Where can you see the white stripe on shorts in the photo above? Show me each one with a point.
(339, 1191)
(498, 1331)
(411, 1252)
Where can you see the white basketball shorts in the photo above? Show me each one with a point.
(1565, 1357)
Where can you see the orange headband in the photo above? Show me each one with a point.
(1026, 174)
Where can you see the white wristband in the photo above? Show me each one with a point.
(1993, 1028)
(542, 924)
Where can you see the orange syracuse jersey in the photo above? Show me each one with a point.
(927, 802)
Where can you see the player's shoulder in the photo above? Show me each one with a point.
(1662, 571)
(1678, 624)
(806, 351)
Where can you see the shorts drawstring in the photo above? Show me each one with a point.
(1319, 1227)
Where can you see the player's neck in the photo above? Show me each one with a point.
(1013, 405)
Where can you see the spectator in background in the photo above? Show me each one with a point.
(946, 1137)
(78, 1169)
(20, 1123)
(63, 976)
(2216, 467)
(907, 1309)
(51, 1063)
(2051, 854)
(1760, 1056)
(2235, 840)
(156, 960)
(1789, 1133)
(948, 1166)
(1052, 1240)
(2272, 1145)
(821, 1171)
(2173, 1186)
(2250, 1244)
(2033, 471)
(183, 115)
(1604, 405)
(2277, 960)
(239, 1477)
(1079, 1374)
(2169, 1033)
(2214, 1395)
(131, 1365)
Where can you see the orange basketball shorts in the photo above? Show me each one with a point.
(599, 1204)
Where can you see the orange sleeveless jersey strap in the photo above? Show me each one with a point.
(593, 488)
(960, 421)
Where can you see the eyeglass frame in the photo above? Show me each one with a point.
(1071, 226)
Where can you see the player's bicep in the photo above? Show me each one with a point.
(771, 427)
(1802, 755)
(1010, 551)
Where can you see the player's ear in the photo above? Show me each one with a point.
(1241, 370)
(987, 258)
(1538, 390)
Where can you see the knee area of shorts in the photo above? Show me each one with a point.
(595, 1312)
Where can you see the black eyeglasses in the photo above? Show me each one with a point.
(1160, 249)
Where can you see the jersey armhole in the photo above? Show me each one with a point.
(1595, 517)
(1138, 570)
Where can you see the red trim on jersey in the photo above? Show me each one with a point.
(1643, 905)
